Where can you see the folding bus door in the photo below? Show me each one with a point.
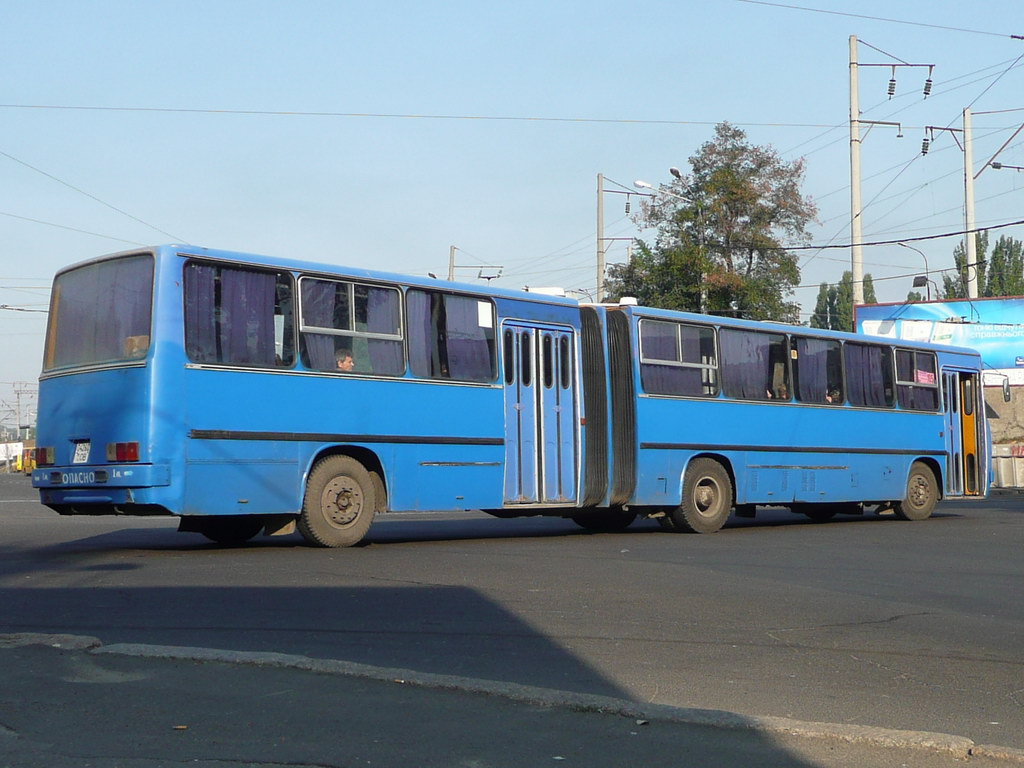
(557, 416)
(962, 402)
(540, 414)
(970, 404)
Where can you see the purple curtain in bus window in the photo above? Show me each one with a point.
(318, 310)
(382, 317)
(419, 331)
(247, 317)
(745, 369)
(200, 323)
(469, 355)
(865, 378)
(658, 342)
(812, 384)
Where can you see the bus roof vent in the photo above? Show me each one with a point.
(550, 290)
(628, 301)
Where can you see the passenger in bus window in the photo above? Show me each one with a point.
(345, 362)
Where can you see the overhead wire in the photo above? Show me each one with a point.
(91, 196)
(882, 18)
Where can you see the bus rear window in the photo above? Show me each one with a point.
(100, 314)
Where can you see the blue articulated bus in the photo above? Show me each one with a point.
(248, 394)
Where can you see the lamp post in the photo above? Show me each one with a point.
(926, 279)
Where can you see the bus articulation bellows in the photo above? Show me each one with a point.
(248, 394)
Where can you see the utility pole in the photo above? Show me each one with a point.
(970, 241)
(451, 263)
(600, 238)
(856, 237)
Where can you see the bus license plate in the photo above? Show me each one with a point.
(81, 453)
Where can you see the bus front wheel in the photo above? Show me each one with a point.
(339, 503)
(707, 498)
(922, 494)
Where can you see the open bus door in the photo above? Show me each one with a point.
(963, 404)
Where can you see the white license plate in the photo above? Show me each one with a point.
(81, 453)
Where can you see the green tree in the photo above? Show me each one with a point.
(834, 307)
(1005, 268)
(719, 234)
(955, 286)
(914, 296)
(824, 308)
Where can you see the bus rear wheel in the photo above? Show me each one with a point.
(339, 504)
(707, 498)
(922, 494)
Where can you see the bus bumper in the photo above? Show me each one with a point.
(102, 490)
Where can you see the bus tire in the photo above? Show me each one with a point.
(922, 494)
(339, 503)
(380, 493)
(230, 530)
(610, 520)
(707, 498)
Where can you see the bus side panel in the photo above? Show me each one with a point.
(435, 442)
(782, 453)
(241, 477)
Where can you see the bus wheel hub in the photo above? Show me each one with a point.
(341, 501)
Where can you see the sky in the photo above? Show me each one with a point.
(381, 134)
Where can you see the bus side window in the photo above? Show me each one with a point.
(917, 381)
(869, 375)
(238, 316)
(351, 328)
(677, 359)
(754, 365)
(451, 336)
(818, 371)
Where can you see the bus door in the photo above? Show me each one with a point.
(540, 414)
(962, 402)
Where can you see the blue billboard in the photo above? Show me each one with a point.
(994, 327)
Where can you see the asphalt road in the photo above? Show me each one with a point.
(870, 621)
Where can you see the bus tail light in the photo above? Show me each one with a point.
(45, 457)
(123, 451)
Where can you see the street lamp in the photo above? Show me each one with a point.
(661, 191)
(922, 280)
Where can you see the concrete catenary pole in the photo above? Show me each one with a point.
(856, 237)
(970, 246)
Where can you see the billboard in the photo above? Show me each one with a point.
(994, 327)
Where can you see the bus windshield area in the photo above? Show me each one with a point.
(100, 314)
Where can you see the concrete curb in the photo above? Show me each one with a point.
(885, 737)
(958, 746)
